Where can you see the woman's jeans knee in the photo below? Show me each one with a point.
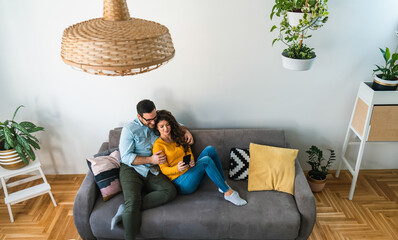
(208, 162)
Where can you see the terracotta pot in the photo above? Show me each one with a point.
(9, 159)
(316, 185)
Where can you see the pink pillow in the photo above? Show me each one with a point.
(106, 174)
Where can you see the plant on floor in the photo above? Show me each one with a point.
(315, 159)
(19, 136)
(314, 15)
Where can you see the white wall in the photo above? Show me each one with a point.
(225, 74)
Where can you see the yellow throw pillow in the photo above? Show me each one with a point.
(271, 168)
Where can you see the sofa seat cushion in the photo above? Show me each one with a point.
(206, 215)
(268, 215)
(101, 216)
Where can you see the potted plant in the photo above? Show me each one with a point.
(17, 142)
(386, 77)
(317, 175)
(298, 17)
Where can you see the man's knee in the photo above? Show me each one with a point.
(132, 202)
(170, 192)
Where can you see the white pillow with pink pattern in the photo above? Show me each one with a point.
(106, 174)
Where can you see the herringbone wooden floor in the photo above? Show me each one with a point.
(373, 213)
(37, 218)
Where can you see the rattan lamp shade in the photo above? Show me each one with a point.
(116, 45)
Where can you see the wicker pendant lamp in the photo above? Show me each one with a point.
(116, 45)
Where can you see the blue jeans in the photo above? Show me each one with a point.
(207, 162)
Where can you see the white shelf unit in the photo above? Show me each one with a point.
(374, 119)
(27, 193)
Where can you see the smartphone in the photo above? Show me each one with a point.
(187, 159)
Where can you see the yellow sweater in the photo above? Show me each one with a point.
(174, 155)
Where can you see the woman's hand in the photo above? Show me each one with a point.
(181, 166)
(192, 163)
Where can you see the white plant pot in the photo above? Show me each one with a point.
(294, 18)
(297, 64)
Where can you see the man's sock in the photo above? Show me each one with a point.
(235, 199)
(117, 217)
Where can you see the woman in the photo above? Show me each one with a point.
(187, 177)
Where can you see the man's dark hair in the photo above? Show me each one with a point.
(145, 106)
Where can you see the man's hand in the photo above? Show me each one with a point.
(188, 137)
(181, 166)
(158, 158)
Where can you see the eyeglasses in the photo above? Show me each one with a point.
(152, 119)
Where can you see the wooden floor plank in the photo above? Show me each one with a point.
(371, 215)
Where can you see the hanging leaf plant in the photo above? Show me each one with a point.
(312, 15)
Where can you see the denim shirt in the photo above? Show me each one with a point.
(137, 139)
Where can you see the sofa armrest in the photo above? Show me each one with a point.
(83, 205)
(305, 203)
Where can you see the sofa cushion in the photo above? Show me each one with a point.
(106, 173)
(268, 215)
(114, 137)
(271, 168)
(101, 216)
(222, 140)
(239, 164)
(222, 137)
(106, 152)
(225, 139)
(206, 215)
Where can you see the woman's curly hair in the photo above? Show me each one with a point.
(177, 133)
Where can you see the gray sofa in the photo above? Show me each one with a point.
(205, 214)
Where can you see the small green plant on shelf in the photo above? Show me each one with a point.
(19, 136)
(390, 70)
(319, 170)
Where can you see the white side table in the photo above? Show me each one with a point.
(26, 193)
(374, 119)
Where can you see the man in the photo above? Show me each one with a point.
(138, 169)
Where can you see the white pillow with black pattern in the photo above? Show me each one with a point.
(239, 164)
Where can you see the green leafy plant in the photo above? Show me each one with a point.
(390, 70)
(315, 159)
(297, 51)
(282, 6)
(19, 137)
(315, 15)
